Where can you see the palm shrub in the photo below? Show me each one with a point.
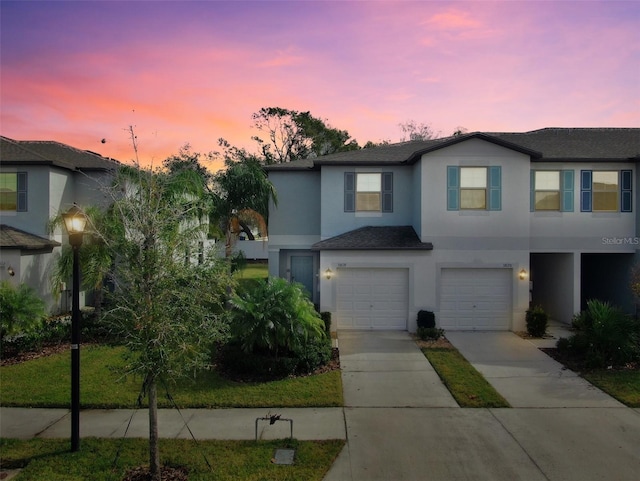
(276, 319)
(606, 336)
(614, 336)
(21, 310)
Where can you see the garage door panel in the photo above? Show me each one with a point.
(378, 298)
(475, 299)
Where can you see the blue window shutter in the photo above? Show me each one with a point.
(349, 191)
(453, 187)
(585, 190)
(566, 190)
(532, 190)
(626, 191)
(495, 188)
(22, 192)
(387, 192)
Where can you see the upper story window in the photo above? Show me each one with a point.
(13, 191)
(474, 188)
(606, 190)
(552, 190)
(547, 193)
(368, 191)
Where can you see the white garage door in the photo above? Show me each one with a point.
(475, 299)
(372, 298)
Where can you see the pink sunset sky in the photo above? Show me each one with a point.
(80, 72)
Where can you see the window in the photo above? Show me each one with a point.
(368, 192)
(368, 187)
(547, 194)
(13, 191)
(606, 190)
(474, 188)
(552, 190)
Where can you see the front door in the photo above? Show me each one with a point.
(302, 272)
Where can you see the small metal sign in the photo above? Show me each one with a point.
(284, 456)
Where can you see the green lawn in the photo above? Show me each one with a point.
(468, 387)
(622, 385)
(45, 382)
(254, 271)
(51, 459)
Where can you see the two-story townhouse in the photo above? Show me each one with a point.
(474, 227)
(39, 180)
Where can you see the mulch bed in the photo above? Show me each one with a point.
(441, 343)
(167, 473)
(10, 358)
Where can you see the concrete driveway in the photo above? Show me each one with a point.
(401, 425)
(525, 376)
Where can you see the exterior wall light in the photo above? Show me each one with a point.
(328, 273)
(11, 271)
(522, 274)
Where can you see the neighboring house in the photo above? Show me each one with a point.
(39, 180)
(473, 227)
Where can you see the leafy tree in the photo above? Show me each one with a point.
(414, 131)
(168, 311)
(296, 135)
(21, 310)
(186, 159)
(241, 195)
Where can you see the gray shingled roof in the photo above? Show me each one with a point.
(12, 238)
(580, 143)
(46, 152)
(550, 144)
(375, 238)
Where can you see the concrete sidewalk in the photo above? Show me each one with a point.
(238, 424)
(525, 376)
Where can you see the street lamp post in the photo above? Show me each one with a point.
(75, 222)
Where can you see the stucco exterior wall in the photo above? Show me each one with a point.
(336, 221)
(506, 229)
(604, 232)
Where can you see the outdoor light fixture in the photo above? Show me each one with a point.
(75, 221)
(11, 271)
(328, 273)
(522, 274)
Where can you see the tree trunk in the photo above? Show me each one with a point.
(154, 448)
